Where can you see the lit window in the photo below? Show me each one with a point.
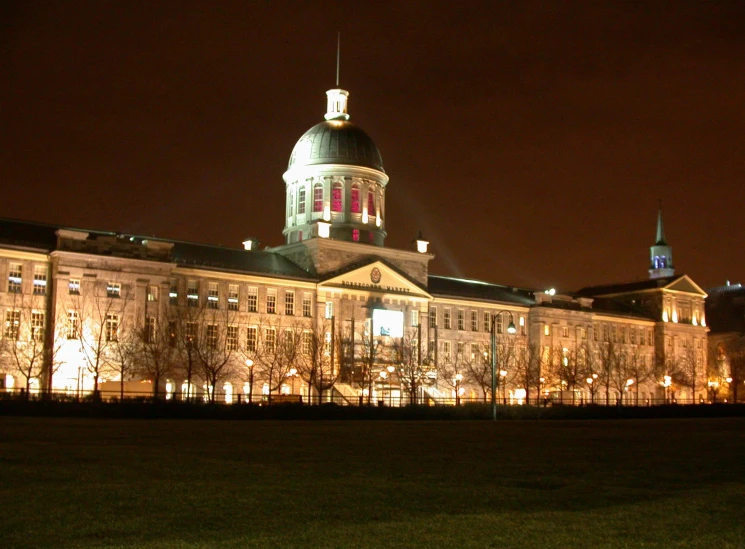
(40, 280)
(474, 321)
(461, 319)
(15, 274)
(317, 197)
(565, 331)
(370, 203)
(233, 297)
(213, 296)
(307, 307)
(149, 334)
(546, 330)
(253, 299)
(191, 332)
(73, 325)
(252, 337)
(112, 327)
(306, 343)
(12, 324)
(113, 289)
(329, 309)
(355, 235)
(415, 317)
(337, 192)
(433, 318)
(37, 326)
(271, 301)
(355, 200)
(152, 293)
(289, 302)
(487, 321)
(301, 201)
(173, 292)
(192, 293)
(231, 338)
(73, 286)
(171, 333)
(446, 350)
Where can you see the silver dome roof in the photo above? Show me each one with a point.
(336, 142)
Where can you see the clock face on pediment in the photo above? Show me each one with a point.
(376, 277)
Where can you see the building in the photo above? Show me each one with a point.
(332, 313)
(726, 310)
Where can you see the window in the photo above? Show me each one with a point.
(523, 328)
(370, 203)
(475, 351)
(433, 318)
(15, 277)
(73, 325)
(606, 332)
(192, 293)
(172, 333)
(40, 280)
(650, 339)
(498, 323)
(415, 317)
(487, 321)
(317, 197)
(37, 326)
(232, 297)
(461, 319)
(307, 306)
(112, 327)
(271, 301)
(73, 287)
(301, 201)
(289, 302)
(306, 343)
(231, 338)
(290, 200)
(337, 192)
(622, 334)
(546, 330)
(213, 296)
(460, 349)
(447, 319)
(211, 336)
(173, 292)
(329, 309)
(270, 339)
(252, 337)
(149, 334)
(190, 333)
(446, 350)
(152, 293)
(253, 299)
(355, 235)
(113, 289)
(581, 332)
(474, 321)
(355, 199)
(12, 324)
(565, 331)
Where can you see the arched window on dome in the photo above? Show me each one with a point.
(317, 197)
(370, 203)
(301, 201)
(290, 203)
(337, 192)
(356, 206)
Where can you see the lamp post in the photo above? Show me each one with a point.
(457, 380)
(250, 366)
(390, 369)
(510, 330)
(383, 375)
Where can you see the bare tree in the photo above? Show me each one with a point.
(411, 371)
(317, 358)
(689, 371)
(125, 354)
(454, 368)
(609, 357)
(528, 368)
(368, 357)
(217, 348)
(23, 348)
(157, 351)
(279, 346)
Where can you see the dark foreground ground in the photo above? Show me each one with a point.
(222, 484)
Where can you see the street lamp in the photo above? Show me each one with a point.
(383, 375)
(250, 366)
(510, 330)
(667, 381)
(457, 380)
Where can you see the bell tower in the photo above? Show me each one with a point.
(661, 254)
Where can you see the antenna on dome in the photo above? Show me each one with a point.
(338, 55)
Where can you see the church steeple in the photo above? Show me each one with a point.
(660, 255)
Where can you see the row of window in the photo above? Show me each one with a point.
(15, 279)
(234, 298)
(337, 200)
(472, 321)
(12, 327)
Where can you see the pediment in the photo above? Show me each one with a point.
(684, 284)
(377, 277)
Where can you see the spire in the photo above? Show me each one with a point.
(336, 99)
(660, 228)
(661, 254)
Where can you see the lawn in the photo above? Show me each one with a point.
(162, 484)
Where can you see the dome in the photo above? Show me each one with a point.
(336, 142)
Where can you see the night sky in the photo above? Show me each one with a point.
(529, 141)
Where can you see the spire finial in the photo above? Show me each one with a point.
(338, 55)
(660, 226)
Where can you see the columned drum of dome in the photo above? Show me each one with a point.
(335, 181)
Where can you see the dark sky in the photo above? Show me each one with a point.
(529, 141)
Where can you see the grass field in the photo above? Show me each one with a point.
(80, 483)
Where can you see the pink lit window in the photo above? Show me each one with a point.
(356, 235)
(336, 194)
(318, 198)
(356, 208)
(370, 204)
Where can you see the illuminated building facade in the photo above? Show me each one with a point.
(332, 313)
